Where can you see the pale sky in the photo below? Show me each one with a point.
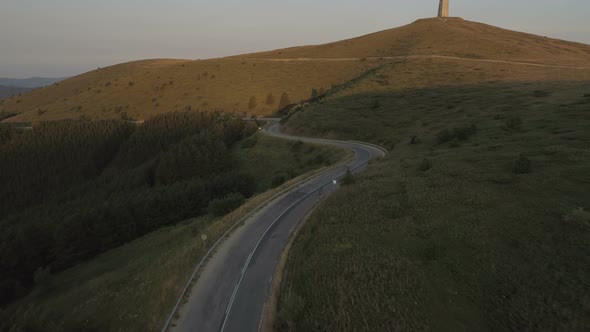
(55, 38)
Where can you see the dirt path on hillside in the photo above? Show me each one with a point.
(427, 57)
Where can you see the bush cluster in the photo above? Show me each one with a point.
(514, 123)
(459, 133)
(522, 165)
(221, 206)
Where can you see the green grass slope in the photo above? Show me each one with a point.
(477, 220)
(134, 287)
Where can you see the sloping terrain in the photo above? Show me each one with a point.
(477, 220)
(143, 89)
(9, 91)
(418, 73)
(255, 83)
(448, 37)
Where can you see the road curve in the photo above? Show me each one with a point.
(231, 289)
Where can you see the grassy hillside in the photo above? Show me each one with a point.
(134, 287)
(143, 89)
(417, 73)
(255, 83)
(448, 37)
(477, 220)
(74, 189)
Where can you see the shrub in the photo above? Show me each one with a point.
(252, 103)
(444, 136)
(249, 143)
(460, 133)
(376, 105)
(292, 308)
(222, 206)
(278, 179)
(42, 275)
(522, 165)
(284, 101)
(348, 179)
(319, 160)
(270, 99)
(540, 93)
(296, 147)
(463, 133)
(425, 165)
(314, 93)
(514, 123)
(579, 216)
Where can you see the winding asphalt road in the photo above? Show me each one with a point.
(233, 286)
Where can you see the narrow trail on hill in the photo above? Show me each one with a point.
(231, 288)
(403, 57)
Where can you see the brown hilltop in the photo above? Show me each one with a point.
(448, 37)
(142, 89)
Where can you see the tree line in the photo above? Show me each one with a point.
(74, 189)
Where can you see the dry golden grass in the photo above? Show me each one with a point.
(145, 88)
(449, 37)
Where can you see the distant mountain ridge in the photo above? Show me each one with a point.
(29, 83)
(9, 91)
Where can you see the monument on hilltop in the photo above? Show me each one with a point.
(443, 8)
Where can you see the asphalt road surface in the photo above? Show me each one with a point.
(234, 284)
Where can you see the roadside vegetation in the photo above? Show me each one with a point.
(72, 190)
(476, 220)
(82, 260)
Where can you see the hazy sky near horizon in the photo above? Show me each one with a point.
(66, 37)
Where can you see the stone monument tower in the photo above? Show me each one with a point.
(443, 8)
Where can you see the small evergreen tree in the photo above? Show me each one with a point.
(522, 165)
(285, 101)
(252, 103)
(270, 99)
(348, 179)
(314, 93)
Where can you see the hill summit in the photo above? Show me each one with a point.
(262, 83)
(447, 37)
